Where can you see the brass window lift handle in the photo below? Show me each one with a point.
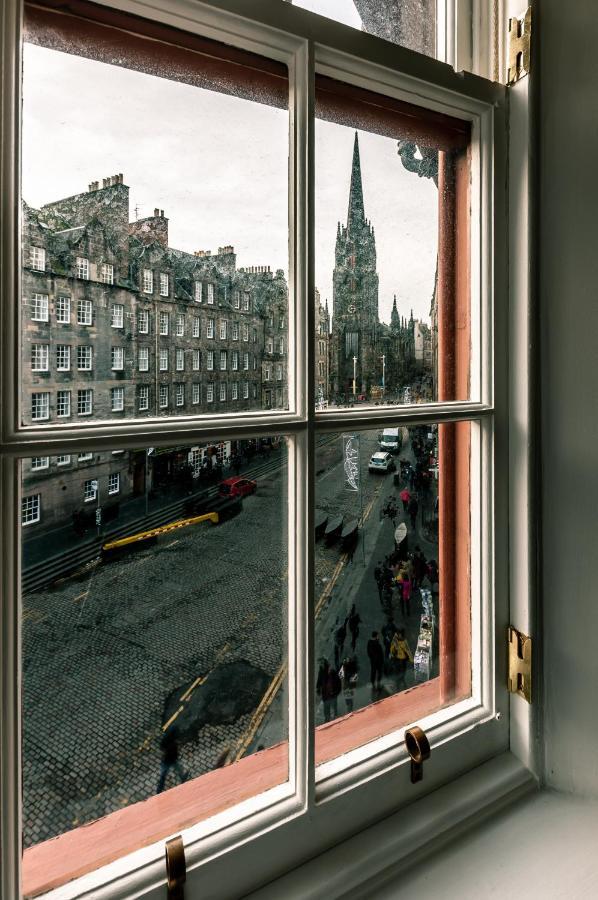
(176, 868)
(418, 748)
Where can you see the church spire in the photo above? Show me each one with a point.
(356, 212)
(395, 322)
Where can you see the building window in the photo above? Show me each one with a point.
(269, 345)
(245, 331)
(196, 360)
(245, 390)
(267, 373)
(31, 509)
(254, 362)
(63, 310)
(63, 357)
(222, 360)
(210, 392)
(210, 293)
(64, 460)
(235, 331)
(279, 373)
(281, 345)
(39, 308)
(163, 284)
(235, 360)
(38, 259)
(39, 357)
(163, 321)
(197, 295)
(281, 323)
(223, 329)
(114, 483)
(180, 359)
(210, 360)
(90, 490)
(180, 394)
(254, 390)
(255, 335)
(107, 273)
(222, 391)
(40, 405)
(84, 457)
(246, 301)
(63, 404)
(196, 392)
(246, 362)
(84, 402)
(234, 390)
(117, 399)
(163, 396)
(180, 324)
(143, 397)
(236, 299)
(210, 328)
(84, 358)
(82, 268)
(117, 358)
(143, 359)
(143, 321)
(40, 462)
(148, 281)
(117, 315)
(196, 327)
(163, 361)
(84, 312)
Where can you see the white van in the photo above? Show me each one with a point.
(390, 440)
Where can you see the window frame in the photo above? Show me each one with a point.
(262, 32)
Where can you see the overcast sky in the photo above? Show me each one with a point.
(217, 165)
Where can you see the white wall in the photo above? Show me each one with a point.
(566, 36)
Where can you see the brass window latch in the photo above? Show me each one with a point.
(520, 664)
(176, 868)
(418, 748)
(520, 35)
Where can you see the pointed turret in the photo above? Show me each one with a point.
(395, 322)
(356, 212)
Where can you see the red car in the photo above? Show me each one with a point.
(237, 487)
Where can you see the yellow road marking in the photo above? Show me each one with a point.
(80, 596)
(172, 718)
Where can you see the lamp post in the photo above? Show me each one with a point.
(383, 358)
(354, 374)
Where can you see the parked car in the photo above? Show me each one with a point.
(237, 487)
(381, 462)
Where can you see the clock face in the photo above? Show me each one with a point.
(351, 308)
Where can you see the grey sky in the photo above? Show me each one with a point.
(217, 165)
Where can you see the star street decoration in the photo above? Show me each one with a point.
(351, 461)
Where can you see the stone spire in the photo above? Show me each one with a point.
(395, 322)
(356, 212)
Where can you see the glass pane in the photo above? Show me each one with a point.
(410, 23)
(160, 291)
(392, 579)
(392, 298)
(154, 632)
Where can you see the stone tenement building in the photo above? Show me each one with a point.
(322, 350)
(116, 324)
(359, 340)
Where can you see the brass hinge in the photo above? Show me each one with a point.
(520, 664)
(520, 35)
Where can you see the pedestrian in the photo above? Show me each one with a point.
(388, 631)
(413, 508)
(419, 567)
(328, 687)
(400, 653)
(376, 658)
(406, 584)
(354, 621)
(170, 758)
(348, 676)
(405, 498)
(340, 637)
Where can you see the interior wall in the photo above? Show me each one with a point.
(567, 78)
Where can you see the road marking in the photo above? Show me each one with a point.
(80, 596)
(172, 718)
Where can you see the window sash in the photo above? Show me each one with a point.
(302, 421)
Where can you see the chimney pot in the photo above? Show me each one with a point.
(156, 211)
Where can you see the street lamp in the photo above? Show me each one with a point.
(354, 374)
(383, 358)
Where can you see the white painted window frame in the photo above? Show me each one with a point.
(117, 315)
(117, 359)
(117, 399)
(363, 786)
(114, 483)
(63, 310)
(67, 406)
(143, 398)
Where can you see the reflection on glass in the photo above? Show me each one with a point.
(376, 271)
(384, 504)
(410, 23)
(154, 623)
(126, 312)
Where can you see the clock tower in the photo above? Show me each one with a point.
(355, 326)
